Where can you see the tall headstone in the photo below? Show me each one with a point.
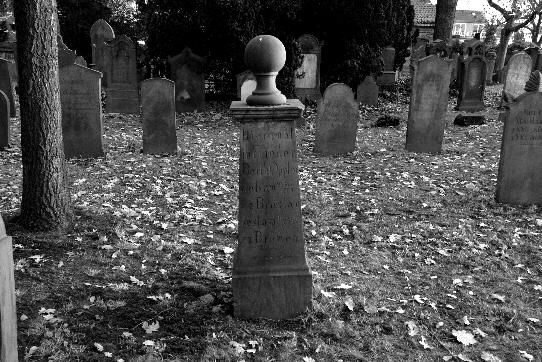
(66, 56)
(241, 78)
(418, 51)
(472, 84)
(4, 120)
(158, 115)
(517, 74)
(367, 92)
(491, 57)
(187, 69)
(336, 121)
(534, 53)
(5, 85)
(389, 75)
(271, 278)
(122, 93)
(100, 34)
(8, 316)
(519, 180)
(428, 103)
(80, 97)
(307, 79)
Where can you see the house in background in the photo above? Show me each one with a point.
(467, 22)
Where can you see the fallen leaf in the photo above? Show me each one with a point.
(412, 328)
(498, 297)
(343, 286)
(99, 347)
(464, 357)
(488, 357)
(424, 343)
(527, 356)
(228, 250)
(466, 338)
(150, 328)
(349, 302)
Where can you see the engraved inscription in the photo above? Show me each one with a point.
(527, 128)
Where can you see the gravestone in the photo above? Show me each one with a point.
(248, 86)
(5, 85)
(66, 56)
(241, 78)
(389, 75)
(158, 115)
(491, 57)
(270, 278)
(367, 92)
(100, 34)
(418, 51)
(188, 71)
(519, 180)
(534, 83)
(517, 75)
(122, 94)
(336, 121)
(79, 60)
(80, 98)
(8, 316)
(4, 121)
(428, 103)
(534, 53)
(307, 79)
(472, 84)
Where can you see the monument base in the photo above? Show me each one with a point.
(470, 119)
(273, 296)
(8, 317)
(122, 101)
(387, 78)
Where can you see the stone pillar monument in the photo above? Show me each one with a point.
(271, 278)
(8, 318)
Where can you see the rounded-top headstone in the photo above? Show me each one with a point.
(265, 56)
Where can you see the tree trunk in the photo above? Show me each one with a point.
(444, 20)
(45, 201)
(501, 51)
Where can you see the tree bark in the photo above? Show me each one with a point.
(444, 20)
(45, 201)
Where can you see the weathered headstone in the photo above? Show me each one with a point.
(517, 74)
(367, 92)
(79, 60)
(307, 79)
(389, 75)
(4, 120)
(534, 53)
(5, 85)
(248, 86)
(158, 115)
(519, 180)
(188, 71)
(80, 98)
(66, 56)
(336, 121)
(534, 84)
(472, 84)
(491, 57)
(241, 78)
(122, 94)
(271, 278)
(100, 34)
(428, 103)
(418, 51)
(8, 316)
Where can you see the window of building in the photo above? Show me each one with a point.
(459, 29)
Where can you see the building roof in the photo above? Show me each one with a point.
(425, 13)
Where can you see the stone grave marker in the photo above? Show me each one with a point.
(336, 121)
(248, 86)
(188, 71)
(367, 92)
(66, 56)
(534, 53)
(389, 75)
(5, 85)
(241, 78)
(491, 57)
(271, 278)
(158, 115)
(79, 60)
(418, 52)
(472, 84)
(80, 98)
(4, 121)
(517, 75)
(519, 179)
(8, 316)
(307, 80)
(122, 93)
(428, 103)
(100, 34)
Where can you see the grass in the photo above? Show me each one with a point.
(413, 243)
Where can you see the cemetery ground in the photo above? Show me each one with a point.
(412, 258)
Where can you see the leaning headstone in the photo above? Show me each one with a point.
(271, 278)
(336, 121)
(518, 73)
(428, 103)
(80, 97)
(248, 86)
(100, 34)
(367, 92)
(418, 51)
(187, 69)
(5, 85)
(534, 83)
(491, 57)
(122, 93)
(8, 316)
(472, 84)
(158, 115)
(4, 120)
(519, 180)
(66, 56)
(307, 78)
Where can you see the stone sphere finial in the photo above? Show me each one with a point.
(265, 56)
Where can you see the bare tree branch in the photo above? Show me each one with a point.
(505, 13)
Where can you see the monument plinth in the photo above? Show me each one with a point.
(8, 317)
(271, 278)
